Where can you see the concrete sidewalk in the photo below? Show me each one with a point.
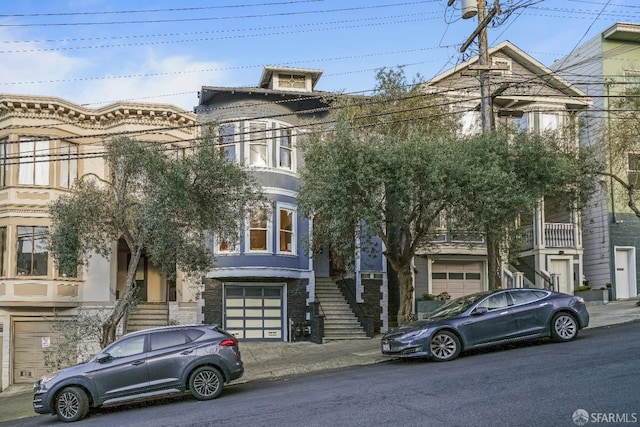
(271, 360)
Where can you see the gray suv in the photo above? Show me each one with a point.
(198, 358)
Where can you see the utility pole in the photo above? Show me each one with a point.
(483, 67)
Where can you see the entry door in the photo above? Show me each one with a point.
(623, 275)
(562, 267)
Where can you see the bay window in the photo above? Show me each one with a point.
(286, 229)
(258, 144)
(258, 231)
(68, 161)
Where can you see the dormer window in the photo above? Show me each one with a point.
(292, 81)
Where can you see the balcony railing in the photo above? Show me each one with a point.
(556, 235)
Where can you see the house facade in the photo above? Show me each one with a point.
(46, 144)
(268, 285)
(529, 96)
(603, 67)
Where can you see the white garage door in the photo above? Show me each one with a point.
(254, 312)
(30, 339)
(458, 278)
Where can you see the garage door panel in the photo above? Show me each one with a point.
(457, 278)
(28, 350)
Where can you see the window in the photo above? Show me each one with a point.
(495, 302)
(258, 144)
(258, 231)
(68, 161)
(633, 174)
(160, 340)
(286, 230)
(128, 347)
(292, 81)
(4, 151)
(32, 257)
(34, 162)
(227, 141)
(524, 296)
(548, 122)
(227, 246)
(285, 148)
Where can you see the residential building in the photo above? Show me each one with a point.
(603, 67)
(46, 144)
(529, 96)
(267, 285)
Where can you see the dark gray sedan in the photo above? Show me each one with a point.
(488, 318)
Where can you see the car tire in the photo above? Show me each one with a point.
(564, 327)
(72, 404)
(206, 383)
(444, 346)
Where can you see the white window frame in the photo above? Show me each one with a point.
(252, 138)
(280, 129)
(294, 228)
(269, 235)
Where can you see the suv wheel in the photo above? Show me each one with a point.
(72, 404)
(206, 383)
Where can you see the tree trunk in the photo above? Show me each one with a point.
(110, 325)
(493, 262)
(405, 278)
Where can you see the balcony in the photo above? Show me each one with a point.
(555, 235)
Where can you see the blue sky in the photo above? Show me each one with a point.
(94, 52)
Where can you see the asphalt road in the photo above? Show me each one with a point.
(540, 384)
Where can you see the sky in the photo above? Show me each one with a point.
(95, 52)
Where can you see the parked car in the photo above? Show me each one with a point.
(198, 358)
(488, 318)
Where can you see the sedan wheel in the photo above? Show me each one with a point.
(563, 327)
(206, 383)
(72, 404)
(444, 346)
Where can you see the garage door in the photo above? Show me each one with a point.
(254, 312)
(458, 278)
(30, 339)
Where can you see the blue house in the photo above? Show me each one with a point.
(267, 285)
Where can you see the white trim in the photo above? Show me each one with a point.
(294, 228)
(633, 291)
(280, 192)
(269, 231)
(290, 273)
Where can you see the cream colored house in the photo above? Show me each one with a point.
(45, 145)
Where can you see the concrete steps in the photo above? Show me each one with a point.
(340, 323)
(148, 315)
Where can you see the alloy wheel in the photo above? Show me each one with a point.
(443, 346)
(206, 383)
(565, 326)
(68, 405)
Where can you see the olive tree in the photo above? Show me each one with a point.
(160, 203)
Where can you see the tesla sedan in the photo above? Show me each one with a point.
(488, 318)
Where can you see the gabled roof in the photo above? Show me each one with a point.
(543, 76)
(267, 74)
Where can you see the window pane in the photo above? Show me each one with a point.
(42, 160)
(25, 169)
(160, 340)
(258, 144)
(258, 239)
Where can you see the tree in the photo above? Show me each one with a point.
(383, 171)
(623, 144)
(160, 202)
(508, 173)
(394, 163)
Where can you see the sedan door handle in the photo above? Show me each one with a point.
(138, 362)
(187, 351)
(503, 313)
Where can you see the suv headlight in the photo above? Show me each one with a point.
(46, 378)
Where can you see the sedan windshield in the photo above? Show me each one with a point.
(457, 306)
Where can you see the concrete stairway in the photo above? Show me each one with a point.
(148, 315)
(340, 323)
